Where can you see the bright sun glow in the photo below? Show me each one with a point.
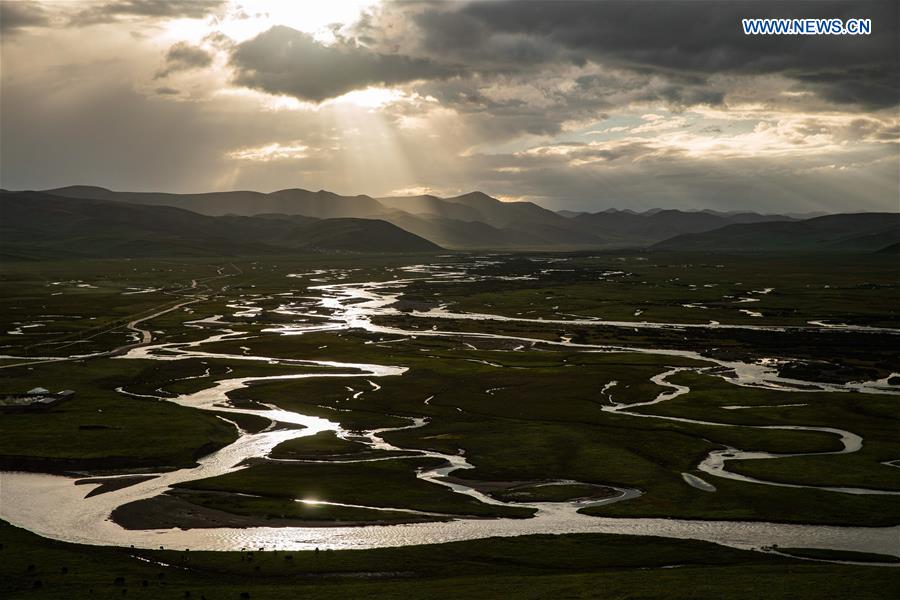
(270, 152)
(242, 20)
(371, 97)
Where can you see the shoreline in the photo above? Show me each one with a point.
(170, 512)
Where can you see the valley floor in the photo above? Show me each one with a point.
(324, 424)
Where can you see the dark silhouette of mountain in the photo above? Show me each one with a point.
(451, 224)
(508, 214)
(321, 204)
(571, 213)
(453, 233)
(862, 232)
(659, 224)
(474, 220)
(325, 204)
(39, 225)
(431, 207)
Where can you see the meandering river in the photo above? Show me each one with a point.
(53, 506)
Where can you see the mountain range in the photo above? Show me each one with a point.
(35, 225)
(469, 221)
(860, 232)
(64, 220)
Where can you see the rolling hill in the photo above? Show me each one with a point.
(469, 221)
(38, 225)
(861, 232)
(321, 204)
(656, 225)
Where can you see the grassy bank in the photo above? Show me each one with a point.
(582, 566)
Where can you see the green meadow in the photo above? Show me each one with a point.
(524, 410)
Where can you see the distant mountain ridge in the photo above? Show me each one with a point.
(660, 224)
(321, 204)
(861, 232)
(297, 220)
(470, 221)
(39, 225)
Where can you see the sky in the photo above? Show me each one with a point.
(573, 105)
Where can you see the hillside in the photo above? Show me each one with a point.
(468, 221)
(38, 225)
(862, 232)
(473, 220)
(652, 226)
(321, 204)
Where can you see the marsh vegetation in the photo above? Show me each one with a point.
(441, 391)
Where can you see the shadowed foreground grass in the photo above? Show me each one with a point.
(574, 566)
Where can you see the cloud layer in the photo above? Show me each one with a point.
(581, 105)
(286, 61)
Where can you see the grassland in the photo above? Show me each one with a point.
(572, 437)
(385, 484)
(326, 445)
(692, 288)
(522, 414)
(583, 566)
(97, 429)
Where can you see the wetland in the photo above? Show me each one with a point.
(365, 407)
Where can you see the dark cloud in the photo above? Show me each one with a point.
(682, 95)
(155, 9)
(19, 15)
(706, 38)
(286, 61)
(500, 107)
(686, 42)
(575, 105)
(877, 86)
(457, 34)
(183, 57)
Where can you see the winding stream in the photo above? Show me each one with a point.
(54, 507)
